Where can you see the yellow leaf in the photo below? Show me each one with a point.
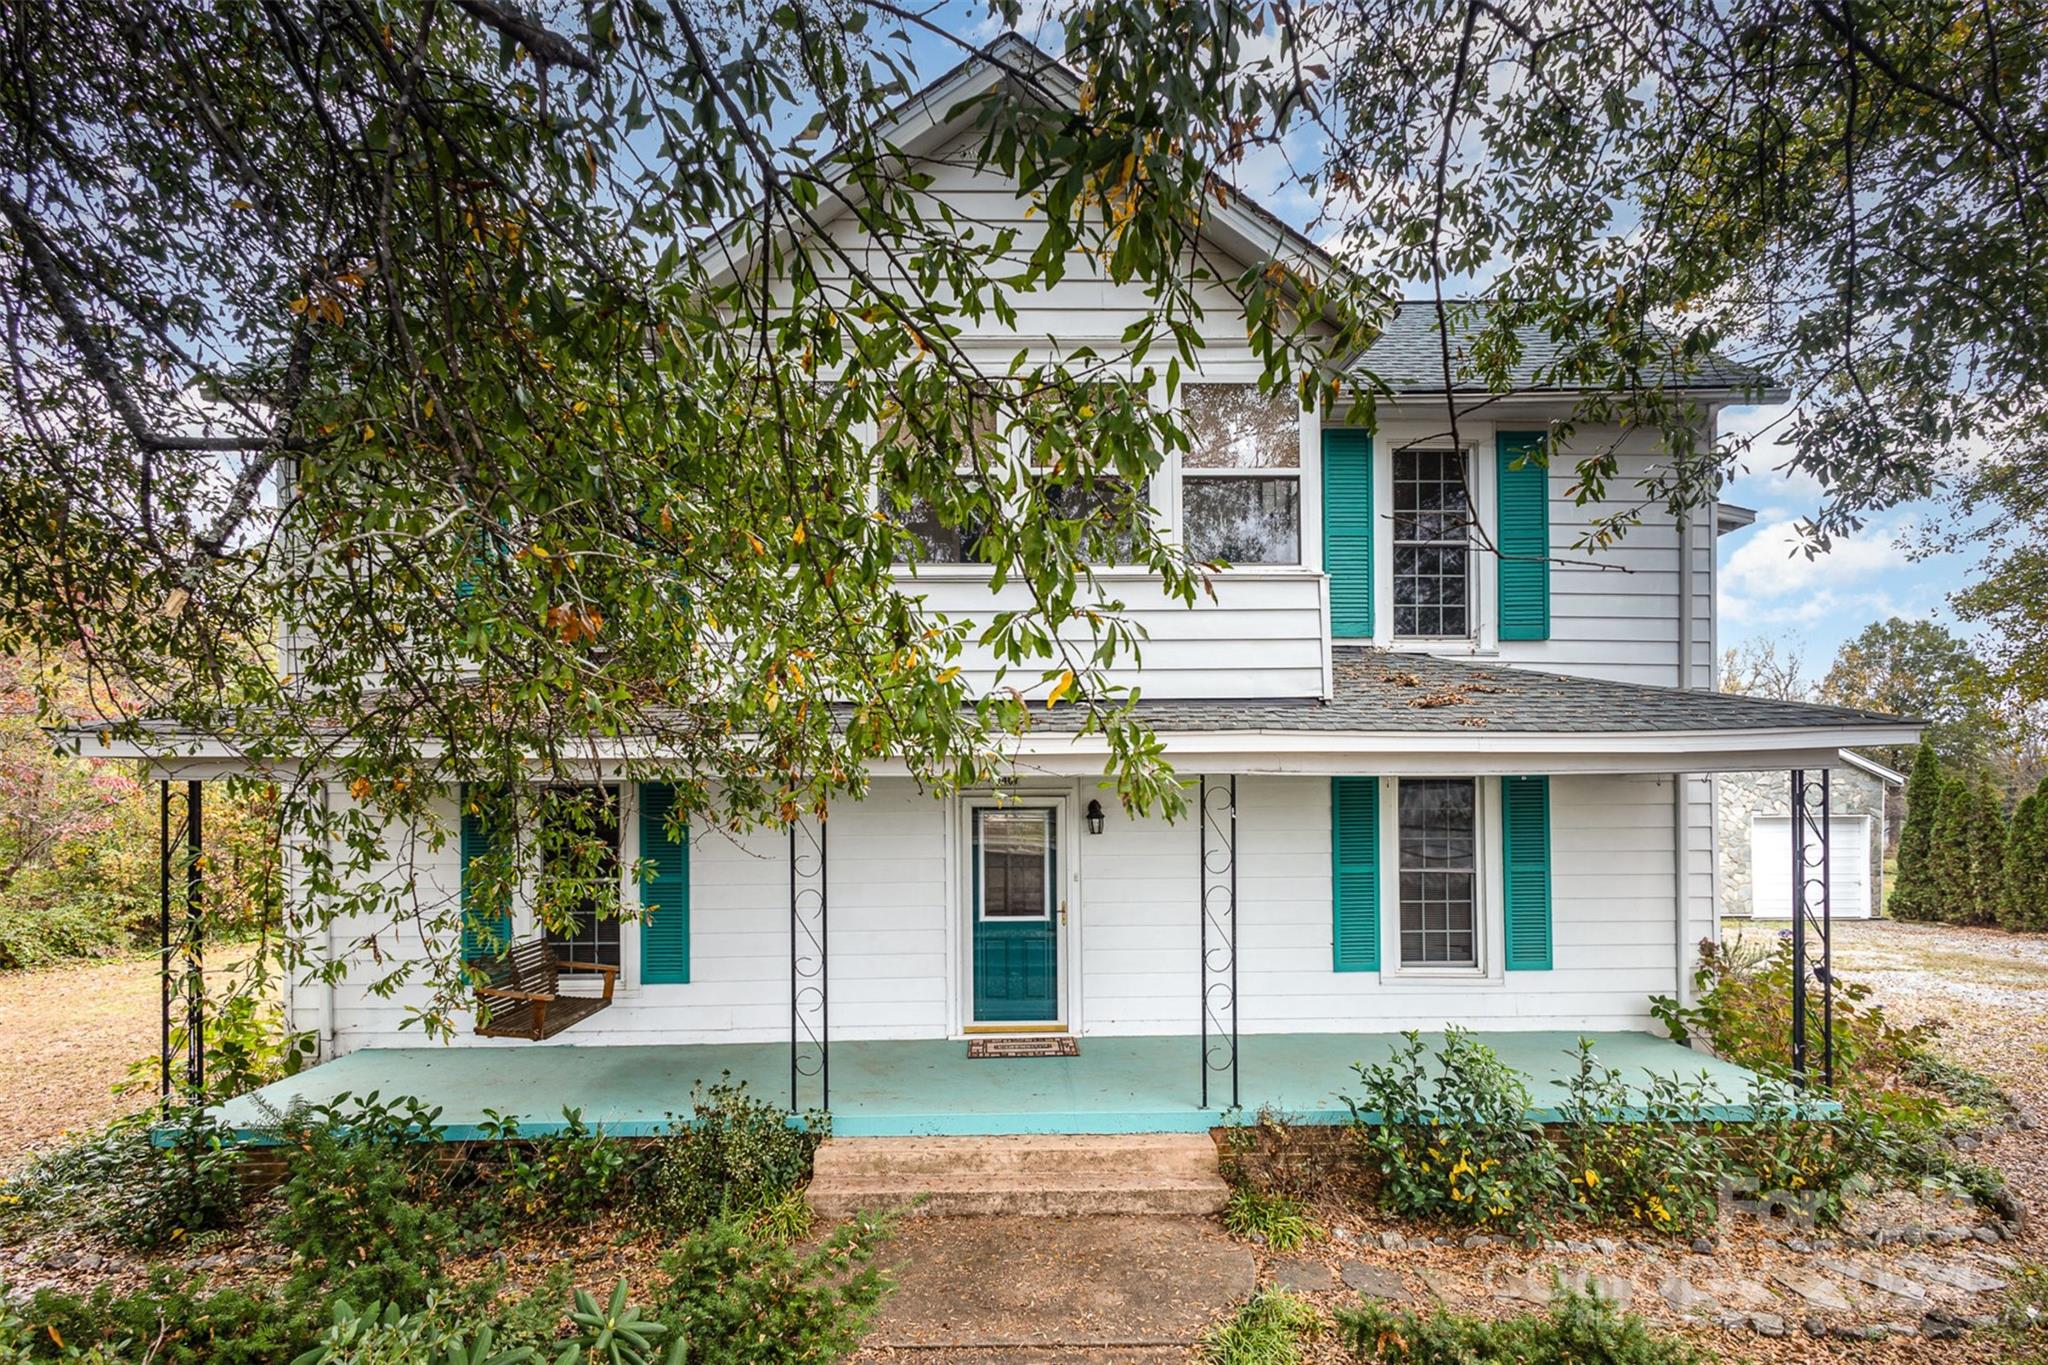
(360, 789)
(755, 541)
(1060, 689)
(949, 675)
(798, 534)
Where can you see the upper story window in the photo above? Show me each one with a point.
(938, 543)
(1240, 487)
(1432, 545)
(1439, 837)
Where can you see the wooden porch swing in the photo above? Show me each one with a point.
(522, 995)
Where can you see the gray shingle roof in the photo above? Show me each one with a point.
(1382, 692)
(1408, 358)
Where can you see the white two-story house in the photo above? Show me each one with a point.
(1429, 785)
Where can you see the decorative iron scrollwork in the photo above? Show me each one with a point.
(810, 1055)
(1218, 803)
(1812, 939)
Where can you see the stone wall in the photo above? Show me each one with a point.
(1851, 791)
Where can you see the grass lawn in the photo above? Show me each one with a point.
(72, 1031)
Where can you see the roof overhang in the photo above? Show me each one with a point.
(1468, 753)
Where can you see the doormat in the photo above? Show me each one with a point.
(1023, 1047)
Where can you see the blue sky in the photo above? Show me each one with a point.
(1769, 588)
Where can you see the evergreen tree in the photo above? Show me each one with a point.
(1984, 840)
(1913, 896)
(1948, 853)
(2023, 852)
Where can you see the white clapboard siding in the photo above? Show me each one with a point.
(1613, 904)
(1261, 636)
(895, 886)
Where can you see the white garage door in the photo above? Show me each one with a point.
(1770, 866)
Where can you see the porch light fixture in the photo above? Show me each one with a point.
(1095, 817)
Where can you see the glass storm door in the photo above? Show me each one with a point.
(1016, 905)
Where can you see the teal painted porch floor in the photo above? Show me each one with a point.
(882, 1089)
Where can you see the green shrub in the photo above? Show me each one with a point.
(116, 1184)
(1267, 1329)
(611, 1332)
(1743, 1010)
(734, 1157)
(177, 1318)
(1279, 1220)
(1578, 1328)
(1456, 1145)
(382, 1335)
(1637, 1155)
(740, 1300)
(41, 926)
(357, 1215)
(1899, 1097)
(786, 1220)
(570, 1174)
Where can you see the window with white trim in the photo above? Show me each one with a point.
(1240, 486)
(1432, 546)
(1438, 839)
(578, 886)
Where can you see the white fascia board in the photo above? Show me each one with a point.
(1236, 226)
(1874, 768)
(1473, 753)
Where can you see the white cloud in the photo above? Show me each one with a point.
(1772, 562)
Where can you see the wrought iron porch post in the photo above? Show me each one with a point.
(1218, 916)
(163, 963)
(1812, 922)
(809, 978)
(195, 947)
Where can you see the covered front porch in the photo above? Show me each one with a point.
(930, 1087)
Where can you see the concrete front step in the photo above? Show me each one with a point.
(1049, 1176)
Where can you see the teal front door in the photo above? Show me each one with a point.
(1016, 907)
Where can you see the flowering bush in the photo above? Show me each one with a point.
(1638, 1155)
(1454, 1145)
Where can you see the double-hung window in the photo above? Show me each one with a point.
(1240, 487)
(1432, 546)
(937, 538)
(579, 873)
(1439, 872)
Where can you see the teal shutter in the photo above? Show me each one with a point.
(1355, 872)
(480, 938)
(1524, 536)
(665, 900)
(1525, 861)
(1347, 531)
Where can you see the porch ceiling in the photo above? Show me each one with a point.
(885, 1089)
